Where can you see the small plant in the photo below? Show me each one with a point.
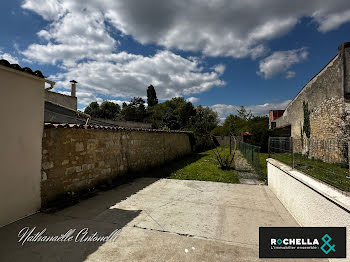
(226, 161)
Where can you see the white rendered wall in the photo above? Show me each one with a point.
(311, 203)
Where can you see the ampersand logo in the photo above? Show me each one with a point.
(326, 239)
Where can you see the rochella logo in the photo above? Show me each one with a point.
(326, 247)
(295, 241)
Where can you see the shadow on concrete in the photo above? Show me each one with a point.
(163, 171)
(92, 215)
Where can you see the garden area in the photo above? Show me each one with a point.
(202, 166)
(334, 174)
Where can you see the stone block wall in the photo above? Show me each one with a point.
(325, 98)
(225, 140)
(331, 150)
(75, 158)
(326, 119)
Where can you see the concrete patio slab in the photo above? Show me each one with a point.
(160, 220)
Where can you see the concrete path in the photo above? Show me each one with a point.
(161, 220)
(245, 172)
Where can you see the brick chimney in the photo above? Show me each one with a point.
(74, 88)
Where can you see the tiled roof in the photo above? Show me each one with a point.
(79, 126)
(36, 73)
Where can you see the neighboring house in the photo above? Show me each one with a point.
(273, 115)
(21, 110)
(246, 136)
(62, 109)
(67, 101)
(324, 102)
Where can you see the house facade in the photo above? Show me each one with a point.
(324, 103)
(22, 122)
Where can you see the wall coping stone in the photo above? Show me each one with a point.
(119, 128)
(338, 197)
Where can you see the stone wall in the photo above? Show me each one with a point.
(225, 140)
(325, 98)
(75, 159)
(331, 150)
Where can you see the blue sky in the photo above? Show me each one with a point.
(218, 53)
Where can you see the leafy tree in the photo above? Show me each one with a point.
(185, 111)
(220, 131)
(93, 109)
(152, 99)
(107, 110)
(170, 121)
(242, 113)
(259, 127)
(172, 114)
(135, 110)
(235, 125)
(202, 124)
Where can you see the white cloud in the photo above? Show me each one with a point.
(290, 74)
(126, 75)
(257, 110)
(215, 28)
(220, 68)
(48, 9)
(78, 38)
(281, 61)
(121, 102)
(75, 36)
(193, 99)
(11, 59)
(79, 41)
(328, 22)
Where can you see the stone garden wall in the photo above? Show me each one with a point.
(225, 140)
(79, 158)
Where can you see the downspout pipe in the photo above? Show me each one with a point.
(52, 84)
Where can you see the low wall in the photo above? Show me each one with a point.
(131, 124)
(78, 158)
(225, 140)
(311, 202)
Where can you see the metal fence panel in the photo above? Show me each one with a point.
(324, 159)
(251, 154)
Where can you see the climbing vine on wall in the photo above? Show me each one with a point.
(306, 129)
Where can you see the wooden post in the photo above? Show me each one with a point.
(292, 151)
(268, 147)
